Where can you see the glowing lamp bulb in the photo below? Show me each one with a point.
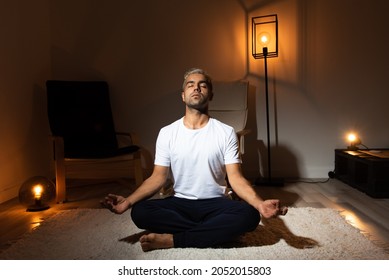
(354, 141)
(38, 189)
(352, 138)
(264, 39)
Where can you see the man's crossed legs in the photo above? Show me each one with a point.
(180, 223)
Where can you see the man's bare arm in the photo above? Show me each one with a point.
(268, 208)
(149, 187)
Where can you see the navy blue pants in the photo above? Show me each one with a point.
(196, 223)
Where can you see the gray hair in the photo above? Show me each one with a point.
(208, 79)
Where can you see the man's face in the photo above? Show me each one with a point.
(196, 93)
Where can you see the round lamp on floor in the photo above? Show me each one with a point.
(37, 193)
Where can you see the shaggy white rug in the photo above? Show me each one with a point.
(97, 234)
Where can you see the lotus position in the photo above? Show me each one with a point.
(198, 151)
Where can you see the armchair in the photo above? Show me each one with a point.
(85, 142)
(229, 105)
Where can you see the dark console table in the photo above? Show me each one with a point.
(365, 170)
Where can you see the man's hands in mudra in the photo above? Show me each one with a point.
(115, 203)
(271, 208)
(268, 208)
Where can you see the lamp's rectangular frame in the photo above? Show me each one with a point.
(267, 24)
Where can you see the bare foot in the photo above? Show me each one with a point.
(153, 241)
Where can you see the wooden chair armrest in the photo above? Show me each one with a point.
(132, 136)
(243, 132)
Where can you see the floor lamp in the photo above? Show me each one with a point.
(264, 46)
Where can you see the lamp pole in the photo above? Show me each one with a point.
(267, 115)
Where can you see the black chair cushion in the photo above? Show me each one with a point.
(80, 112)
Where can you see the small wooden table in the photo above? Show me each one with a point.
(365, 169)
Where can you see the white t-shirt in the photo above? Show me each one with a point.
(197, 157)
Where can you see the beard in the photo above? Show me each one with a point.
(200, 104)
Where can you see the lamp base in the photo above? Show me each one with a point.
(36, 208)
(276, 182)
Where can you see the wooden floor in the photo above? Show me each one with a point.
(367, 214)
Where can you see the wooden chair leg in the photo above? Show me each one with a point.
(138, 169)
(59, 170)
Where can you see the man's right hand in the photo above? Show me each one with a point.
(115, 203)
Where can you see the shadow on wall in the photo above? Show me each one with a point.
(67, 66)
(255, 164)
(160, 112)
(283, 161)
(37, 148)
(250, 161)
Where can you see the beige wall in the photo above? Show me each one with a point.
(24, 66)
(142, 48)
(326, 80)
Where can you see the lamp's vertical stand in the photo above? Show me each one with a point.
(269, 181)
(267, 115)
